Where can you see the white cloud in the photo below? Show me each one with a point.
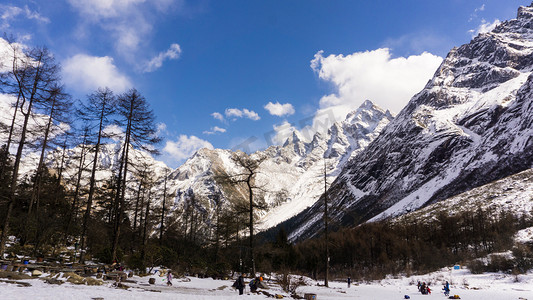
(9, 13)
(103, 8)
(375, 75)
(184, 147)
(484, 27)
(172, 53)
(215, 130)
(6, 54)
(283, 132)
(129, 25)
(218, 116)
(87, 73)
(161, 128)
(278, 109)
(241, 113)
(114, 131)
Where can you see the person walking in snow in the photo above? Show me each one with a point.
(446, 289)
(239, 284)
(169, 278)
(349, 281)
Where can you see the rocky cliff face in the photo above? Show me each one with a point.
(470, 125)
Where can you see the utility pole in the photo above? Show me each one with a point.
(326, 281)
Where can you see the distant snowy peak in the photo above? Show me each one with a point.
(355, 132)
(368, 113)
(298, 143)
(291, 174)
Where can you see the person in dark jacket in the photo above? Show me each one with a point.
(253, 285)
(239, 284)
(424, 289)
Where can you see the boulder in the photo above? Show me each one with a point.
(14, 275)
(92, 281)
(74, 278)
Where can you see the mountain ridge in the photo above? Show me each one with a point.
(471, 124)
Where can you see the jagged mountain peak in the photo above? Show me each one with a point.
(525, 12)
(295, 138)
(368, 115)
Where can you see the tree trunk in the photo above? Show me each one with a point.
(161, 225)
(251, 196)
(122, 189)
(143, 252)
(326, 280)
(14, 179)
(92, 182)
(37, 183)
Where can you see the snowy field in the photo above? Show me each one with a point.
(466, 285)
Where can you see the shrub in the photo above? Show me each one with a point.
(499, 263)
(477, 266)
(523, 258)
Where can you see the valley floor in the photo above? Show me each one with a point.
(488, 286)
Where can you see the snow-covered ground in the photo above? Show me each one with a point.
(495, 286)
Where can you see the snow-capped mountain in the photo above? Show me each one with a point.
(291, 175)
(471, 124)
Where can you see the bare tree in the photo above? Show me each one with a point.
(99, 108)
(80, 169)
(249, 168)
(9, 84)
(138, 122)
(34, 78)
(57, 106)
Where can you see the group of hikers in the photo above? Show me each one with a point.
(424, 288)
(254, 284)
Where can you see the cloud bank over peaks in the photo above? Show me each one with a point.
(280, 110)
(484, 27)
(183, 148)
(89, 73)
(282, 132)
(375, 75)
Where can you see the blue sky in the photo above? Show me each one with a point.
(210, 68)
